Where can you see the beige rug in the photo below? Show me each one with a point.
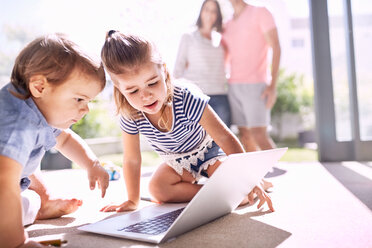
(313, 209)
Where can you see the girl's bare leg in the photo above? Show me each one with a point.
(167, 186)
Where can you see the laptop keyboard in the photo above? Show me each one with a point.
(156, 225)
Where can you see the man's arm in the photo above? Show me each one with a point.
(273, 40)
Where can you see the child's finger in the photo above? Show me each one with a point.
(92, 183)
(264, 198)
(103, 184)
(250, 197)
(103, 189)
(261, 197)
(109, 208)
(270, 204)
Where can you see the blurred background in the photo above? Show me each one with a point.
(164, 21)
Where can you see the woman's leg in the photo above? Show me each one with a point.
(220, 104)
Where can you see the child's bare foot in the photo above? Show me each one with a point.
(266, 185)
(57, 207)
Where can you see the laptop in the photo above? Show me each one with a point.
(220, 195)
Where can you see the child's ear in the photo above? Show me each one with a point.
(37, 85)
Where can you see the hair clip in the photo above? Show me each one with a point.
(111, 32)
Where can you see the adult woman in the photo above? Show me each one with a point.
(200, 58)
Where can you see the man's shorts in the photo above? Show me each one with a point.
(248, 109)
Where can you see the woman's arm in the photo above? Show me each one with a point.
(181, 60)
(219, 132)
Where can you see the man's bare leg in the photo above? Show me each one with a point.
(262, 138)
(247, 139)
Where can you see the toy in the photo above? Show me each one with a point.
(112, 169)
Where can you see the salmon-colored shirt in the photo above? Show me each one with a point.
(244, 40)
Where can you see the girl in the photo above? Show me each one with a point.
(200, 58)
(176, 119)
(51, 85)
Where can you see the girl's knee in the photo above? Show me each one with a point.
(158, 190)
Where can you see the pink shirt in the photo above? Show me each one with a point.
(246, 46)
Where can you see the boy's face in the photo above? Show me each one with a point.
(65, 104)
(145, 89)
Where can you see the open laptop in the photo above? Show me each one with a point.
(220, 195)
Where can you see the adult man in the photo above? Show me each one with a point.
(247, 38)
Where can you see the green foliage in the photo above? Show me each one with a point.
(292, 95)
(300, 155)
(149, 158)
(97, 123)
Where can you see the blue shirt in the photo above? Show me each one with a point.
(25, 135)
(186, 132)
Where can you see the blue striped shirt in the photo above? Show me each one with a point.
(186, 132)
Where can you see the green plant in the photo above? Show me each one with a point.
(293, 96)
(97, 123)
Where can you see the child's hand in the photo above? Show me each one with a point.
(98, 174)
(262, 196)
(126, 206)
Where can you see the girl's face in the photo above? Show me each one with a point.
(209, 14)
(145, 88)
(65, 104)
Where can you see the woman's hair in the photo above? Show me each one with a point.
(218, 24)
(123, 54)
(55, 57)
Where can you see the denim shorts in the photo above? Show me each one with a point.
(196, 161)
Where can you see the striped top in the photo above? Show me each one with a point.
(186, 132)
(201, 60)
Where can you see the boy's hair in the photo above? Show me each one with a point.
(125, 54)
(218, 23)
(55, 57)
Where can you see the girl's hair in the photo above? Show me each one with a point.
(123, 54)
(218, 24)
(55, 57)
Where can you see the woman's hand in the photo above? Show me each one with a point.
(263, 197)
(96, 173)
(125, 206)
